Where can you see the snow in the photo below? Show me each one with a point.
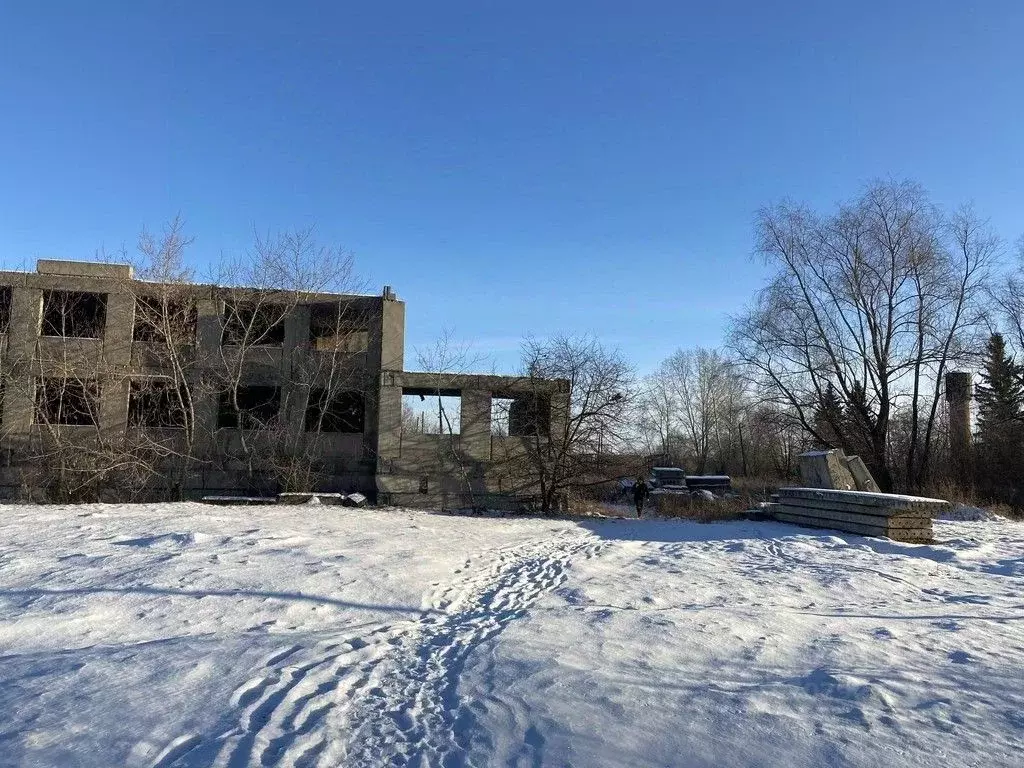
(197, 635)
(964, 513)
(868, 496)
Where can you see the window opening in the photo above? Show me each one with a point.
(342, 412)
(247, 324)
(330, 330)
(156, 404)
(74, 314)
(154, 316)
(500, 408)
(67, 401)
(431, 411)
(257, 407)
(524, 415)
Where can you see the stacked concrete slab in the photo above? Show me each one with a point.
(902, 518)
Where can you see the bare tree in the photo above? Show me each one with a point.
(1008, 300)
(279, 399)
(876, 302)
(657, 413)
(573, 434)
(163, 417)
(774, 438)
(705, 395)
(695, 402)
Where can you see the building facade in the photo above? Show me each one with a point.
(114, 387)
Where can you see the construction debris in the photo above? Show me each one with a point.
(902, 518)
(861, 476)
(832, 469)
(290, 497)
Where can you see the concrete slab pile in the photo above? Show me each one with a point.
(901, 518)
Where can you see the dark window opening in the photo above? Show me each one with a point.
(342, 412)
(257, 407)
(253, 324)
(521, 415)
(156, 404)
(156, 318)
(5, 308)
(424, 484)
(330, 329)
(67, 401)
(431, 411)
(74, 314)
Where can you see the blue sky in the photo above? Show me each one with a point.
(509, 168)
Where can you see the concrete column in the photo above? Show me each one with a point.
(117, 357)
(389, 419)
(206, 407)
(208, 333)
(113, 404)
(959, 390)
(386, 353)
(296, 332)
(293, 363)
(392, 341)
(22, 335)
(118, 332)
(475, 437)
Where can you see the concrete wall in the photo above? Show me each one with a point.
(473, 467)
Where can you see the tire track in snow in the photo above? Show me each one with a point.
(387, 697)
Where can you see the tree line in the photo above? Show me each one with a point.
(866, 308)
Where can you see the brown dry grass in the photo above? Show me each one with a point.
(970, 497)
(587, 508)
(701, 510)
(749, 493)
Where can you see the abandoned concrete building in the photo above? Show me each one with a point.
(193, 390)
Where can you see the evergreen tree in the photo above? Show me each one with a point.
(829, 418)
(860, 418)
(1000, 397)
(1000, 394)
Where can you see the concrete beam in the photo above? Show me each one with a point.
(84, 269)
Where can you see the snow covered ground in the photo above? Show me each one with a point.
(188, 635)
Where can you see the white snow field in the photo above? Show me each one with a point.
(189, 635)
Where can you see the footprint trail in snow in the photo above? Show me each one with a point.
(386, 696)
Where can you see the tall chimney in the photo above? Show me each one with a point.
(959, 390)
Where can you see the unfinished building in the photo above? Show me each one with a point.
(114, 387)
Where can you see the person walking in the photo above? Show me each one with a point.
(640, 492)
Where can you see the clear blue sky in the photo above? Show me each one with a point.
(507, 167)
